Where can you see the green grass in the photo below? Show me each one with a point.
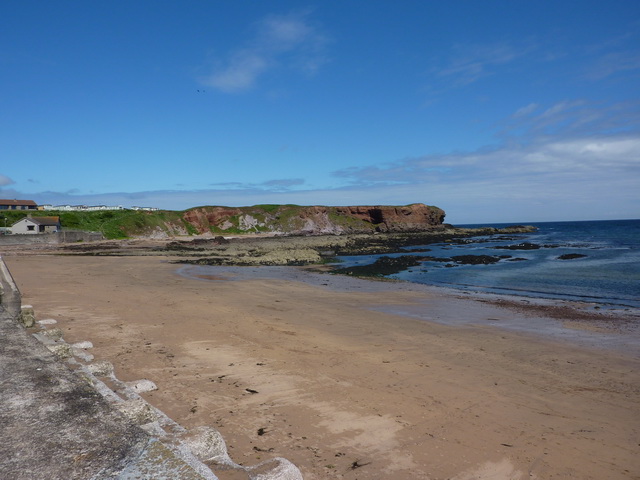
(113, 224)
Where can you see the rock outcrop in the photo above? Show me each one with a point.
(314, 220)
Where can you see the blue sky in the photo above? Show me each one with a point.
(495, 111)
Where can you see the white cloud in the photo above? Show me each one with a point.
(571, 118)
(526, 110)
(469, 63)
(4, 181)
(284, 183)
(548, 161)
(614, 63)
(279, 40)
(560, 108)
(241, 73)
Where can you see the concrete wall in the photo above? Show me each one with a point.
(10, 299)
(66, 236)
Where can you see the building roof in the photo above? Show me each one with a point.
(29, 203)
(45, 221)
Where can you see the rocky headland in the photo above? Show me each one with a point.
(275, 234)
(314, 220)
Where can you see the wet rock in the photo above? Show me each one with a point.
(571, 256)
(475, 259)
(519, 246)
(382, 266)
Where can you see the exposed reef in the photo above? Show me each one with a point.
(306, 250)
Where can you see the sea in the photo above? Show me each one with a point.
(586, 261)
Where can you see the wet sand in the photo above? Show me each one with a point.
(332, 377)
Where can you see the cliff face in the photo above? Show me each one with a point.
(316, 220)
(409, 218)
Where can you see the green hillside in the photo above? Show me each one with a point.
(112, 224)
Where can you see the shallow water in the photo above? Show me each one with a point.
(607, 274)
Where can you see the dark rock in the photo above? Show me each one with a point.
(475, 259)
(519, 246)
(571, 256)
(381, 267)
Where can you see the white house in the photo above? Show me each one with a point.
(35, 225)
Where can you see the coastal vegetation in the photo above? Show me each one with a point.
(113, 224)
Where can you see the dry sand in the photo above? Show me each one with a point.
(344, 391)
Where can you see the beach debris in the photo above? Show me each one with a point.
(251, 390)
(261, 431)
(258, 449)
(358, 464)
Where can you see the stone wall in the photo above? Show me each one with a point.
(66, 236)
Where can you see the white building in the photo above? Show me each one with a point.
(35, 225)
(81, 208)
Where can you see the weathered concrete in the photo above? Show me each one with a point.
(10, 298)
(54, 425)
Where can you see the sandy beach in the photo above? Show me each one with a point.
(336, 376)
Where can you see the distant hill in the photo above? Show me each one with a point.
(276, 219)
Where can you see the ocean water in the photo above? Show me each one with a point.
(608, 273)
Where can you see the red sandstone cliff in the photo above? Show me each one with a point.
(314, 220)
